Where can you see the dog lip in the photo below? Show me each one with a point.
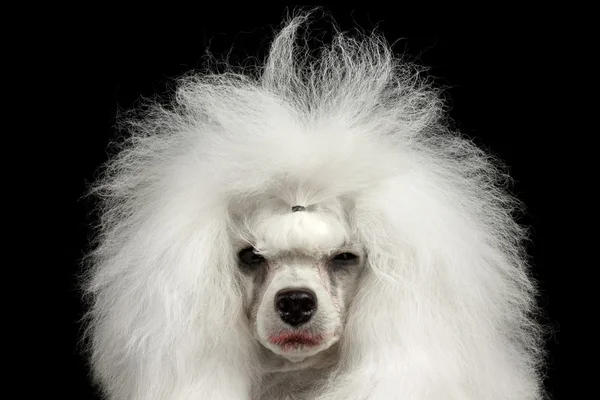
(293, 340)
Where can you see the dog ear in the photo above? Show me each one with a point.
(444, 297)
(164, 296)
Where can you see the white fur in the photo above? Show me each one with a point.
(444, 308)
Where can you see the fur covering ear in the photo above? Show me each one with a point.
(444, 310)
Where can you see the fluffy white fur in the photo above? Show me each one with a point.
(444, 307)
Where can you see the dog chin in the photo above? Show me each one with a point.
(297, 346)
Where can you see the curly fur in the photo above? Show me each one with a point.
(444, 307)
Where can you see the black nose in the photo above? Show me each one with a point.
(295, 306)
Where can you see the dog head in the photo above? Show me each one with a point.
(251, 206)
(299, 269)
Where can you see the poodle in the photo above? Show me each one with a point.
(311, 228)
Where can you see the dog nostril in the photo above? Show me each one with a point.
(295, 306)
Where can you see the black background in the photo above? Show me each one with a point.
(497, 85)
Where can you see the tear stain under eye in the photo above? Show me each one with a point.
(326, 278)
(259, 286)
(333, 283)
(261, 274)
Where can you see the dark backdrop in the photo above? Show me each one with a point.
(496, 85)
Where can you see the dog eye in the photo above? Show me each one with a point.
(248, 257)
(344, 259)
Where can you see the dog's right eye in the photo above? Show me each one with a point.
(249, 257)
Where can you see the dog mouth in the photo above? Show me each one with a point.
(290, 341)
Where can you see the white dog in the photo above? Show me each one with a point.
(310, 230)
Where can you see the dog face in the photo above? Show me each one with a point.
(299, 268)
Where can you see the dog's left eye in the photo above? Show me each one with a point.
(249, 257)
(344, 259)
